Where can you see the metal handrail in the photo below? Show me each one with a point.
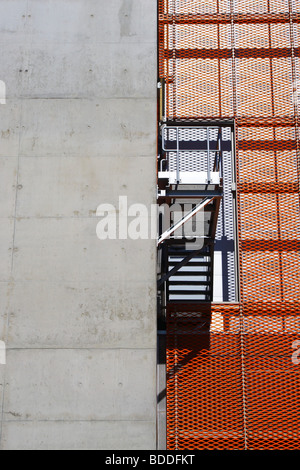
(217, 164)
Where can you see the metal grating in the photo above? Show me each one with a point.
(233, 373)
(189, 161)
(225, 236)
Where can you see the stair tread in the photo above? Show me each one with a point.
(191, 265)
(189, 283)
(189, 292)
(191, 273)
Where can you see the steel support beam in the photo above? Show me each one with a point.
(184, 219)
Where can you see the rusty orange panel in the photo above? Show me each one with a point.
(232, 382)
(204, 393)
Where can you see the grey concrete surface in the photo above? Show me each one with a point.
(78, 315)
(95, 21)
(79, 384)
(8, 183)
(101, 316)
(6, 248)
(86, 182)
(10, 125)
(78, 435)
(5, 288)
(67, 249)
(75, 127)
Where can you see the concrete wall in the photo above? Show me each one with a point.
(78, 315)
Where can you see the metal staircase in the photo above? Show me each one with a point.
(193, 281)
(189, 180)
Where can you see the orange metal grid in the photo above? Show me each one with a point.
(236, 386)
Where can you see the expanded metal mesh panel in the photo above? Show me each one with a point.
(235, 385)
(192, 134)
(224, 239)
(189, 161)
(204, 394)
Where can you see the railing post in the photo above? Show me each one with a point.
(177, 156)
(208, 156)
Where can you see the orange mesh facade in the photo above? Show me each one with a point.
(233, 374)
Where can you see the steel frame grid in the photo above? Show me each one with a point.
(249, 59)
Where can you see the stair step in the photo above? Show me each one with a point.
(191, 273)
(183, 253)
(189, 292)
(178, 259)
(189, 283)
(192, 260)
(191, 265)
